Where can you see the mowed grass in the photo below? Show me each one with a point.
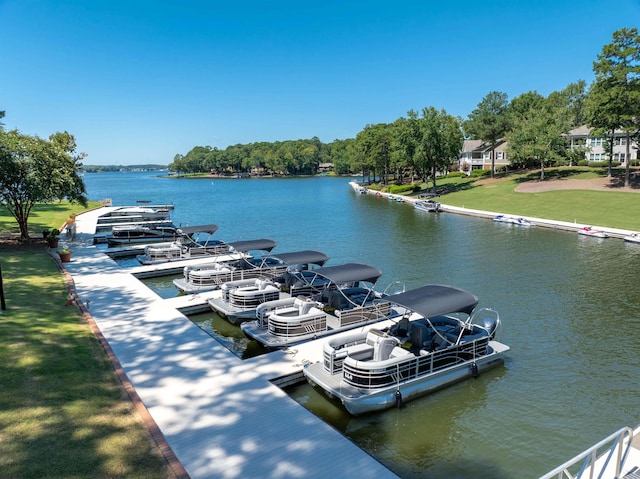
(63, 413)
(612, 209)
(43, 216)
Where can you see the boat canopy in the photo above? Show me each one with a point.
(302, 257)
(436, 299)
(250, 245)
(189, 230)
(344, 273)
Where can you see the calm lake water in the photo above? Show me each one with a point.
(569, 306)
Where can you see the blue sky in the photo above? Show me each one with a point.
(141, 81)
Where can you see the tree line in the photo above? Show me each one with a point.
(428, 141)
(419, 145)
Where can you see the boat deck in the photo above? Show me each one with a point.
(220, 415)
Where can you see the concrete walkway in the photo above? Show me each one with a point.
(220, 415)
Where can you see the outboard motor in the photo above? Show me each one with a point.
(491, 325)
(490, 320)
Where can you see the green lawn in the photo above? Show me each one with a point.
(62, 412)
(43, 216)
(602, 208)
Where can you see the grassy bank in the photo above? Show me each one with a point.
(62, 412)
(43, 216)
(612, 209)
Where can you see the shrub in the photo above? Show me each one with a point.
(395, 189)
(603, 164)
(583, 163)
(456, 174)
(479, 173)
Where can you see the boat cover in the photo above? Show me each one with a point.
(436, 299)
(249, 245)
(349, 272)
(189, 230)
(302, 257)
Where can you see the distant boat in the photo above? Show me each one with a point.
(594, 233)
(427, 205)
(633, 238)
(512, 220)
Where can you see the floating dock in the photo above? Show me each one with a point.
(220, 415)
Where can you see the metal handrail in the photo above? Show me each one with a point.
(590, 457)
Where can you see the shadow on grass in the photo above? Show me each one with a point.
(63, 412)
(456, 187)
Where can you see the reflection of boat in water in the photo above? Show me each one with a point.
(193, 242)
(438, 340)
(346, 300)
(239, 298)
(593, 232)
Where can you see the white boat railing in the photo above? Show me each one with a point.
(592, 464)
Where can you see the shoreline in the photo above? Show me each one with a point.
(545, 223)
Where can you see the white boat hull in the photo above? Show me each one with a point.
(359, 401)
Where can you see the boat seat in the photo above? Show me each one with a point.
(382, 344)
(420, 336)
(305, 307)
(288, 311)
(360, 351)
(398, 352)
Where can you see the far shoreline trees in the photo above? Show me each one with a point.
(535, 128)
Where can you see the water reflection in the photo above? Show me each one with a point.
(569, 306)
(230, 336)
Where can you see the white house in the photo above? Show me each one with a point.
(596, 145)
(476, 155)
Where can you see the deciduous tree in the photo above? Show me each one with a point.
(34, 170)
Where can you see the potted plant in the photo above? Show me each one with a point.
(65, 254)
(53, 239)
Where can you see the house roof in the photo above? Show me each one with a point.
(471, 145)
(482, 146)
(583, 130)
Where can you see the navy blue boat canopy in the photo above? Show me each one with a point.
(436, 299)
(348, 272)
(250, 245)
(302, 257)
(189, 230)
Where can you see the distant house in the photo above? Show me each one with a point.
(476, 155)
(595, 146)
(325, 167)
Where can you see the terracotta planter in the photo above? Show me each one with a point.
(65, 257)
(53, 242)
